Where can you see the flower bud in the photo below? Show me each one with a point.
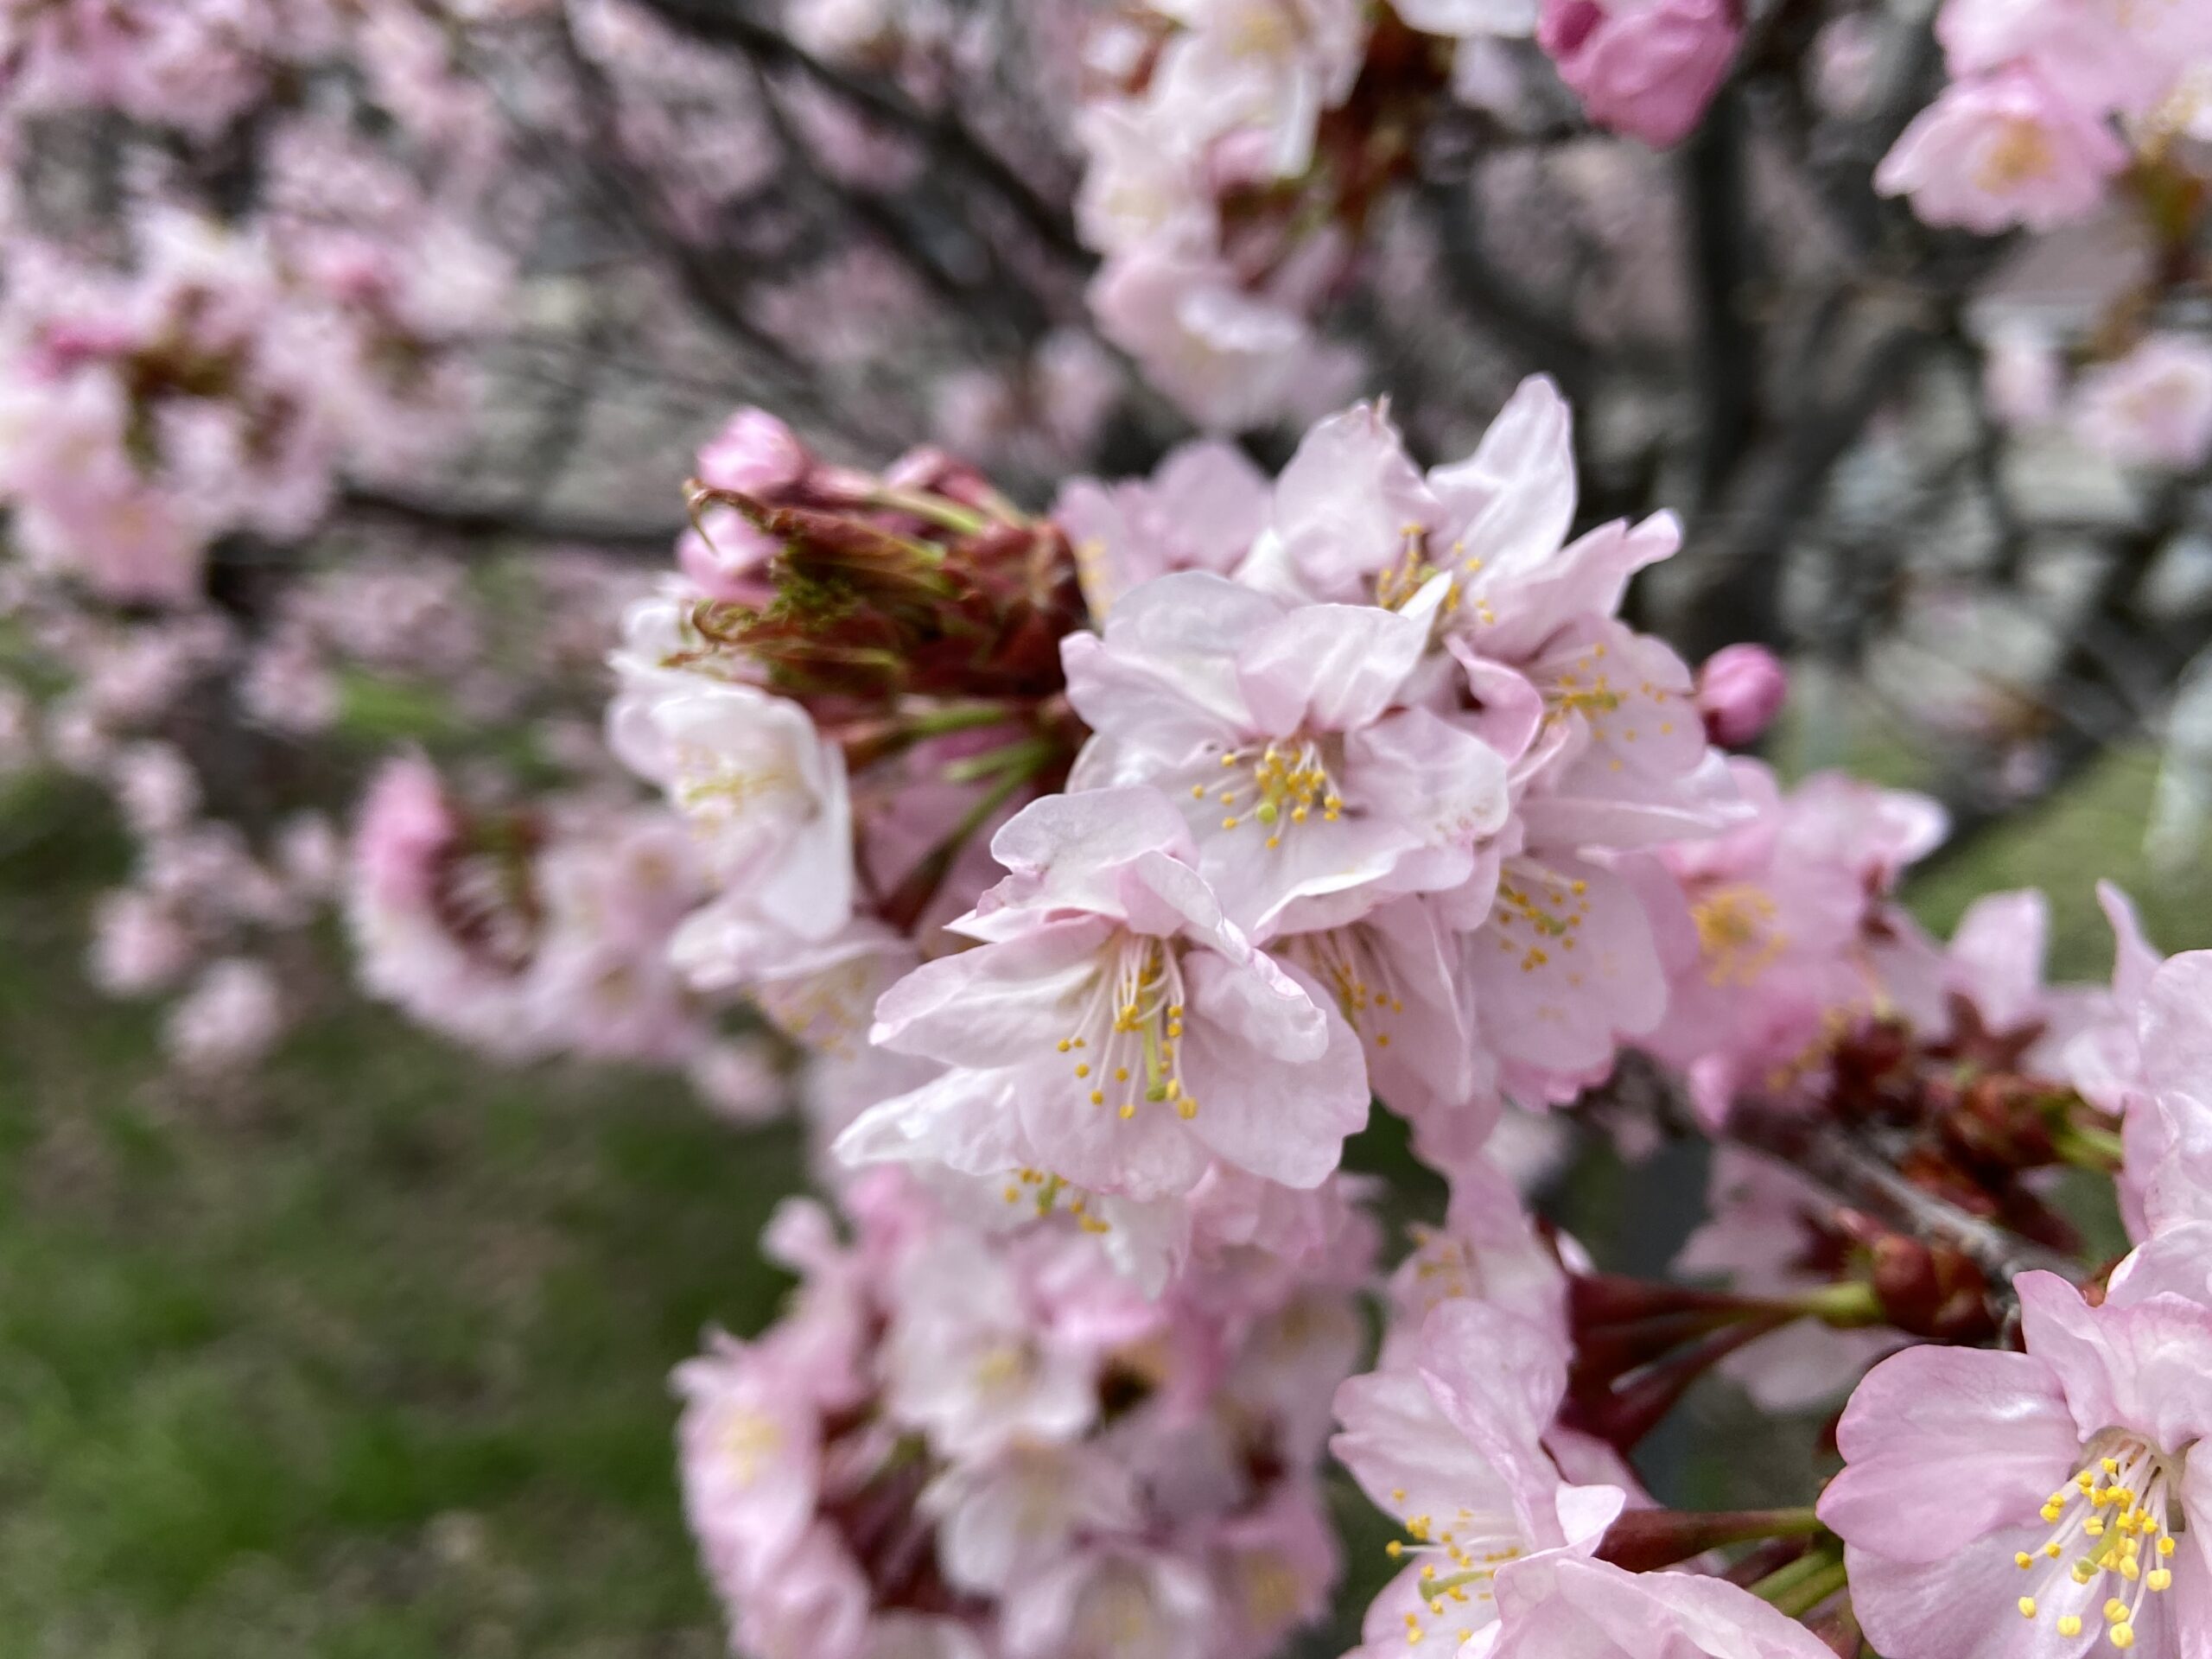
(1648, 70)
(1739, 692)
(755, 455)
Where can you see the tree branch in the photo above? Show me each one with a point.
(947, 139)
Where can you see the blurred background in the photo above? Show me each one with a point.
(353, 358)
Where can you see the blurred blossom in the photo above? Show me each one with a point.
(2151, 408)
(2003, 150)
(231, 1017)
(1644, 67)
(2022, 374)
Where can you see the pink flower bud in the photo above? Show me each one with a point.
(1739, 692)
(1647, 70)
(755, 454)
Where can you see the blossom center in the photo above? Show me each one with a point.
(1125, 1047)
(2110, 1544)
(1735, 932)
(1344, 960)
(1273, 787)
(1538, 912)
(2019, 153)
(1466, 1553)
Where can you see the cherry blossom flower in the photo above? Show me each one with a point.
(1201, 509)
(2058, 1494)
(1139, 1031)
(2151, 408)
(1453, 1446)
(1273, 728)
(2001, 150)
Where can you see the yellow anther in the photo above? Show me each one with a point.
(2027, 1606)
(2123, 1635)
(2159, 1578)
(2070, 1624)
(1083, 1070)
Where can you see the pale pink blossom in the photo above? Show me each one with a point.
(1201, 509)
(1230, 358)
(765, 793)
(2099, 55)
(1766, 930)
(2151, 408)
(229, 1018)
(1452, 1445)
(2001, 150)
(1282, 733)
(1138, 1032)
(2023, 1503)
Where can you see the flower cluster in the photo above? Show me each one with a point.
(2047, 101)
(984, 1443)
(1346, 786)
(1239, 148)
(2076, 1505)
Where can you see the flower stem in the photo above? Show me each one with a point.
(1646, 1539)
(1804, 1584)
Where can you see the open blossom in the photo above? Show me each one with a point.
(1644, 67)
(2151, 408)
(1766, 929)
(1260, 69)
(1452, 1445)
(1136, 1030)
(1282, 732)
(2002, 150)
(2026, 1502)
(764, 791)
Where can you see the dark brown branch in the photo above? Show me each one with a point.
(1826, 1154)
(722, 22)
(474, 521)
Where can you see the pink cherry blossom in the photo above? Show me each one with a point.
(1452, 1445)
(1136, 1029)
(2001, 150)
(229, 1019)
(2100, 55)
(2151, 408)
(1279, 731)
(2035, 1498)
(1201, 509)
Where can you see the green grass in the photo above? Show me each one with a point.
(367, 1359)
